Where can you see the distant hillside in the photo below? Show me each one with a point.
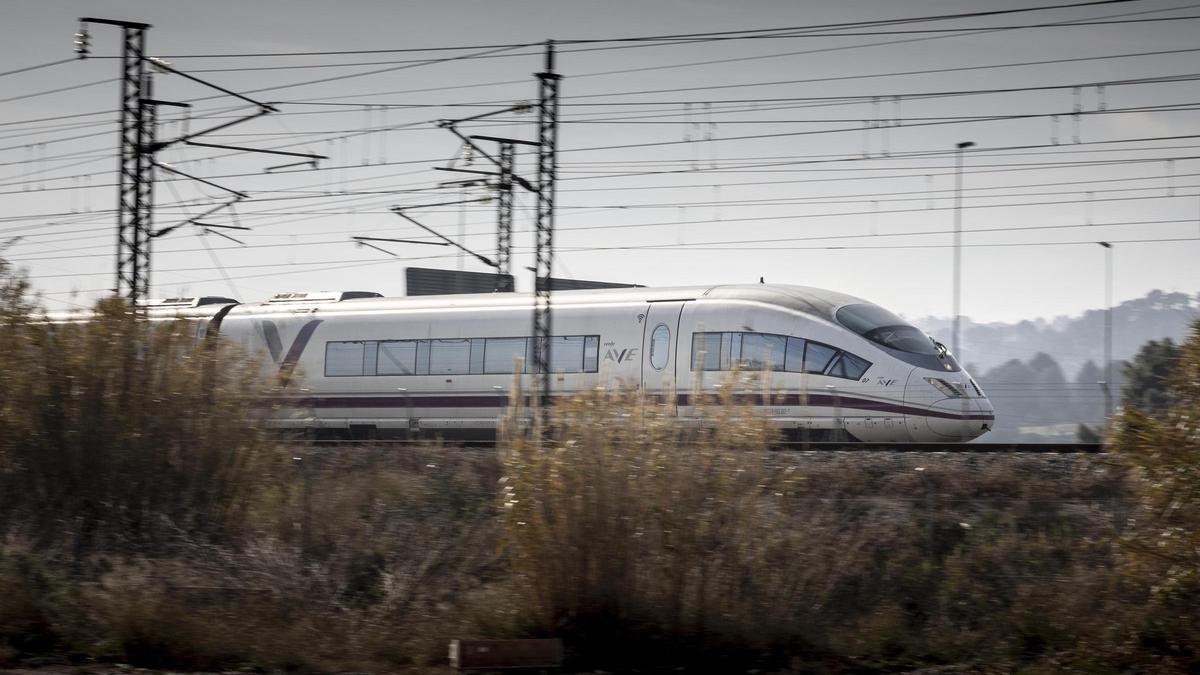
(1072, 340)
(1044, 376)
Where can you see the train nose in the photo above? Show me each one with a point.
(942, 408)
(961, 418)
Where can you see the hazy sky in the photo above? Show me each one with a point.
(845, 115)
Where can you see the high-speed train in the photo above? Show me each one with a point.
(836, 367)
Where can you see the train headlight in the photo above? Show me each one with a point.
(948, 389)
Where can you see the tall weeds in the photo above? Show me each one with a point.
(644, 540)
(627, 526)
(118, 431)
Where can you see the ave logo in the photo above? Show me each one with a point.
(621, 355)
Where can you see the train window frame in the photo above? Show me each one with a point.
(478, 346)
(700, 341)
(558, 342)
(655, 339)
(845, 356)
(385, 350)
(370, 357)
(495, 342)
(742, 360)
(591, 353)
(788, 354)
(342, 344)
(833, 352)
(731, 344)
(424, 357)
(442, 348)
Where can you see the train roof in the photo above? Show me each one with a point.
(816, 302)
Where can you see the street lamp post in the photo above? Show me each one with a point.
(1108, 308)
(958, 241)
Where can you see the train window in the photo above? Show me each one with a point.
(763, 350)
(591, 354)
(566, 354)
(706, 351)
(370, 356)
(422, 357)
(794, 358)
(449, 357)
(817, 356)
(882, 327)
(531, 355)
(477, 349)
(731, 349)
(343, 359)
(501, 353)
(660, 346)
(849, 366)
(397, 357)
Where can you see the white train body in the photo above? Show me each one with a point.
(443, 365)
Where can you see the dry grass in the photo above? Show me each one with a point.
(118, 432)
(696, 546)
(386, 557)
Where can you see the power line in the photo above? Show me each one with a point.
(1182, 77)
(27, 69)
(1032, 244)
(58, 90)
(921, 233)
(676, 36)
(1005, 167)
(309, 265)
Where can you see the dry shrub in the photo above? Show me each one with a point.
(400, 551)
(642, 540)
(123, 432)
(147, 516)
(1161, 548)
(629, 527)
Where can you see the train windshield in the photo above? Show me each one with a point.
(882, 327)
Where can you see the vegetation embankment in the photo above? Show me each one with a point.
(146, 519)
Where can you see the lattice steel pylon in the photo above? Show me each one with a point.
(544, 224)
(135, 178)
(504, 215)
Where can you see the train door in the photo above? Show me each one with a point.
(660, 346)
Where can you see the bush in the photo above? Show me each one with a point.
(627, 526)
(122, 432)
(147, 516)
(1161, 548)
(642, 540)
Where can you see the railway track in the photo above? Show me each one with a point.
(787, 446)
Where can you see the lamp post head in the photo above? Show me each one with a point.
(965, 144)
(1105, 244)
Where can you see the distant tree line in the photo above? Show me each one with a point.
(1034, 399)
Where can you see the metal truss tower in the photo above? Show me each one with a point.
(138, 145)
(135, 179)
(544, 224)
(504, 215)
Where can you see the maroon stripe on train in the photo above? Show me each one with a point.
(499, 401)
(852, 402)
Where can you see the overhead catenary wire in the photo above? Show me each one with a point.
(765, 219)
(28, 69)
(316, 264)
(698, 244)
(675, 36)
